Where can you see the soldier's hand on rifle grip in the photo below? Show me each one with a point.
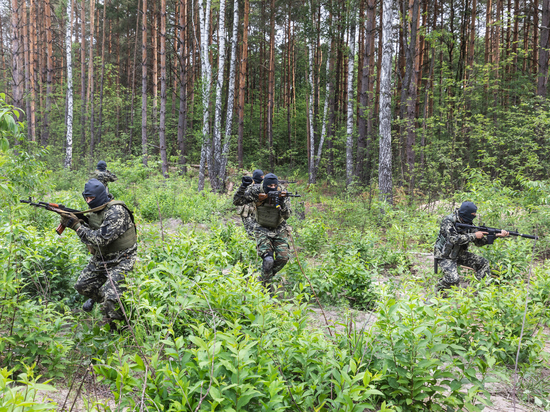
(503, 233)
(480, 234)
(70, 220)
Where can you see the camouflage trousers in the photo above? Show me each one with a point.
(249, 223)
(450, 269)
(94, 282)
(274, 241)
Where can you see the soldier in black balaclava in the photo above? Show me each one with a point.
(248, 211)
(103, 175)
(111, 238)
(271, 230)
(451, 247)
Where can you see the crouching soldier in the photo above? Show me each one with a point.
(451, 247)
(271, 230)
(112, 239)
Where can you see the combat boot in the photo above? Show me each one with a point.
(88, 305)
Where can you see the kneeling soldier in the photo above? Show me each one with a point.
(112, 239)
(271, 230)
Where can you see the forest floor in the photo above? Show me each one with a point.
(337, 319)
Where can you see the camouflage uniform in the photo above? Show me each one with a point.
(104, 177)
(94, 281)
(451, 250)
(248, 216)
(274, 240)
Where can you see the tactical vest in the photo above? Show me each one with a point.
(447, 249)
(268, 215)
(128, 238)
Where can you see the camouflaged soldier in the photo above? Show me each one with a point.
(451, 247)
(112, 239)
(247, 211)
(103, 175)
(271, 230)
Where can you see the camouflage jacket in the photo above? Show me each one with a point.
(249, 195)
(246, 210)
(104, 177)
(116, 222)
(450, 242)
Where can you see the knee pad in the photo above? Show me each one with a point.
(267, 265)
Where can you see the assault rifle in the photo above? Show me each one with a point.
(274, 197)
(57, 208)
(491, 232)
(286, 182)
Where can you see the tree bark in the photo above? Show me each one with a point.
(69, 122)
(231, 92)
(385, 155)
(271, 87)
(91, 78)
(162, 120)
(101, 84)
(214, 166)
(144, 84)
(349, 125)
(49, 71)
(83, 76)
(182, 118)
(311, 120)
(205, 83)
(543, 53)
(242, 81)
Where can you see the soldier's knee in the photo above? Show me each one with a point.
(80, 288)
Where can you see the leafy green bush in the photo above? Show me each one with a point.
(23, 397)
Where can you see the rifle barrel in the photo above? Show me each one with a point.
(488, 229)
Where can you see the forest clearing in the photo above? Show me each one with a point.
(184, 278)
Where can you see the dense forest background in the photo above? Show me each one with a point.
(283, 85)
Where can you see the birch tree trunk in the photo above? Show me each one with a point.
(204, 24)
(411, 94)
(349, 124)
(162, 120)
(311, 146)
(313, 178)
(16, 68)
(385, 155)
(231, 92)
(144, 84)
(214, 167)
(68, 45)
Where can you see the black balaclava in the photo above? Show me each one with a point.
(94, 188)
(257, 175)
(101, 166)
(465, 212)
(270, 179)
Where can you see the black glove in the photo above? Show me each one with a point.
(70, 220)
(247, 181)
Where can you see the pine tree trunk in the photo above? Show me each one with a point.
(349, 123)
(102, 73)
(32, 91)
(271, 87)
(83, 76)
(69, 122)
(385, 154)
(182, 118)
(27, 72)
(133, 100)
(162, 120)
(242, 81)
(144, 84)
(91, 77)
(543, 53)
(154, 36)
(49, 72)
(311, 121)
(2, 57)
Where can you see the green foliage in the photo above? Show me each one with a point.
(24, 396)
